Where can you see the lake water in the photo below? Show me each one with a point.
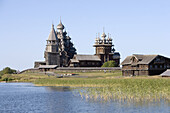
(27, 98)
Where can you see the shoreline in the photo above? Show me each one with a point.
(145, 88)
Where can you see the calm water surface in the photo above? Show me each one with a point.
(27, 98)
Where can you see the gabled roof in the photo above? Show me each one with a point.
(138, 57)
(52, 35)
(87, 57)
(142, 59)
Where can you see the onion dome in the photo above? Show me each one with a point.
(97, 40)
(109, 39)
(113, 50)
(103, 35)
(60, 25)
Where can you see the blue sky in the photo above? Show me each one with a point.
(136, 26)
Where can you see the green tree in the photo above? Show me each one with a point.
(110, 63)
(7, 70)
(1, 73)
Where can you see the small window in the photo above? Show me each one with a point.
(89, 63)
(164, 66)
(150, 66)
(82, 63)
(160, 66)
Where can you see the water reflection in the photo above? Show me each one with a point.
(58, 88)
(27, 98)
(60, 99)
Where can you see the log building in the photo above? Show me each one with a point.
(59, 48)
(85, 61)
(144, 65)
(104, 51)
(60, 51)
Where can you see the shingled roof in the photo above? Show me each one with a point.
(87, 57)
(142, 59)
(52, 35)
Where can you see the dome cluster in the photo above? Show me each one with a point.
(103, 39)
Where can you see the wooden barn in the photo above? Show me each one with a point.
(145, 65)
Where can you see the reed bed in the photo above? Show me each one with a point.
(104, 86)
(138, 89)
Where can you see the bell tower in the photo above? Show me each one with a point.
(104, 49)
(51, 54)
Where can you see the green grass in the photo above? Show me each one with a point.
(132, 89)
(136, 88)
(96, 74)
(110, 85)
(28, 77)
(31, 77)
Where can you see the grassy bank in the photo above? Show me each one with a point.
(137, 89)
(27, 77)
(31, 77)
(113, 86)
(110, 85)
